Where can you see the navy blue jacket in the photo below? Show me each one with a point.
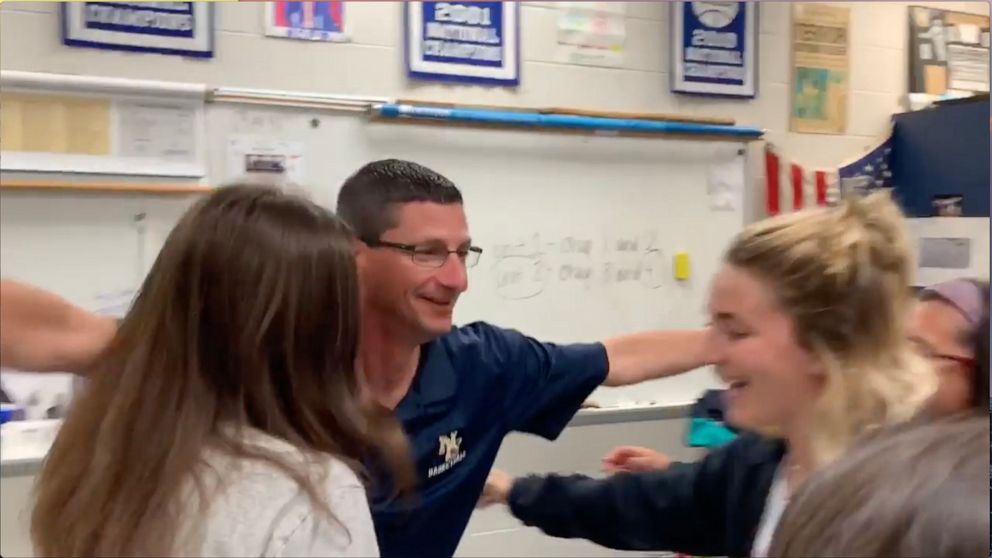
(711, 507)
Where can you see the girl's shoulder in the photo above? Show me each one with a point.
(257, 507)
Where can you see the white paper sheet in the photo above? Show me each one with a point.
(159, 130)
(591, 33)
(726, 184)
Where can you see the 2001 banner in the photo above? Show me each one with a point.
(463, 41)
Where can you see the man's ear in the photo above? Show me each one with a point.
(357, 246)
(360, 251)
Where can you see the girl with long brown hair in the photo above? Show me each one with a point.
(225, 417)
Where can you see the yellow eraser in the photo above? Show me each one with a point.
(682, 269)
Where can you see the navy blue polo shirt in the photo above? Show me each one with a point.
(473, 387)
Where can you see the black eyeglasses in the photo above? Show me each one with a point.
(430, 256)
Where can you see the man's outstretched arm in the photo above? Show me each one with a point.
(42, 332)
(651, 355)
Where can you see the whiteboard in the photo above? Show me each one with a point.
(578, 232)
(86, 247)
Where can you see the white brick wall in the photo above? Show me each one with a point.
(30, 41)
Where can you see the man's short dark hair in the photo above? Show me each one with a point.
(367, 199)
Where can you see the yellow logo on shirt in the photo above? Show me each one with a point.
(449, 447)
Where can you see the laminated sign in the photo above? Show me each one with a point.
(475, 42)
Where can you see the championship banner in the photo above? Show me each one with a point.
(179, 28)
(474, 42)
(715, 48)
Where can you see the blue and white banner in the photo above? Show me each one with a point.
(476, 42)
(181, 28)
(715, 48)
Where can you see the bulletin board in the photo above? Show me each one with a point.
(121, 127)
(948, 51)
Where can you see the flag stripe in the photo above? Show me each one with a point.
(790, 187)
(771, 178)
(771, 174)
(821, 188)
(797, 187)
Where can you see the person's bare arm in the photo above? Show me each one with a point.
(639, 357)
(42, 332)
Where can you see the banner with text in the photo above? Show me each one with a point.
(475, 42)
(181, 28)
(714, 48)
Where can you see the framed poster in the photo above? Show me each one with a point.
(180, 28)
(820, 75)
(309, 21)
(947, 51)
(473, 42)
(715, 48)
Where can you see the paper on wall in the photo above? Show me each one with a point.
(157, 129)
(591, 33)
(55, 124)
(820, 73)
(968, 67)
(258, 157)
(725, 184)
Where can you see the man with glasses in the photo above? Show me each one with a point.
(459, 391)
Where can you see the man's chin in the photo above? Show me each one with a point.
(436, 328)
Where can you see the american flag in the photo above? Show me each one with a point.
(791, 187)
(872, 171)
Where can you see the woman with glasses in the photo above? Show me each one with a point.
(951, 327)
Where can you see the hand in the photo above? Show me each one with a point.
(633, 459)
(497, 489)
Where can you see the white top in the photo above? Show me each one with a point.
(775, 504)
(259, 510)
